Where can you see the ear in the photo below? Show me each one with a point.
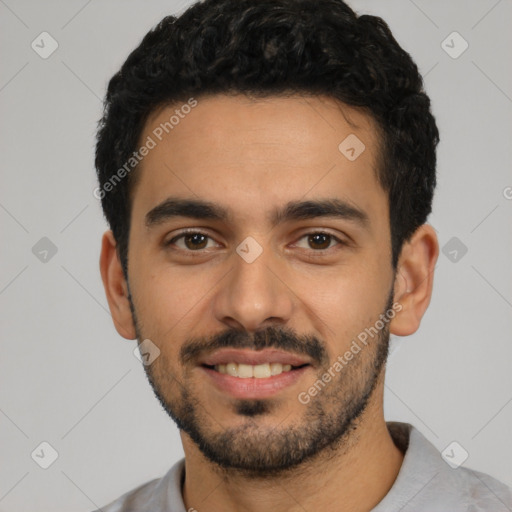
(414, 280)
(116, 287)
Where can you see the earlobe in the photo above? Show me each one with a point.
(116, 288)
(414, 280)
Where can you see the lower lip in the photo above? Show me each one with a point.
(252, 387)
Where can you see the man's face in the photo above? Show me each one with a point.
(254, 292)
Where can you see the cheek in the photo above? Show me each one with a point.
(161, 298)
(347, 301)
(172, 303)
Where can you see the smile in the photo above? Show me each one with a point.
(253, 374)
(259, 371)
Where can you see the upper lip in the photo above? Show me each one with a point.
(252, 357)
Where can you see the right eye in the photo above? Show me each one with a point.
(193, 241)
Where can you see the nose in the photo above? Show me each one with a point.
(254, 295)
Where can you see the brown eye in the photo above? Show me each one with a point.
(192, 241)
(320, 241)
(195, 241)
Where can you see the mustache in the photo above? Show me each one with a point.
(272, 337)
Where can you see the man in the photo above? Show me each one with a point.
(267, 168)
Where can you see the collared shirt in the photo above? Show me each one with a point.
(425, 483)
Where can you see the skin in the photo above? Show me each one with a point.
(251, 156)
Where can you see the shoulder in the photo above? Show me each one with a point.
(470, 491)
(483, 492)
(132, 500)
(426, 482)
(158, 495)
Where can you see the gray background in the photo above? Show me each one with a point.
(67, 378)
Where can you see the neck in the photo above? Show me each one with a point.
(353, 477)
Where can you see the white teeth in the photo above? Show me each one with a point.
(244, 371)
(258, 371)
(232, 369)
(276, 368)
(261, 371)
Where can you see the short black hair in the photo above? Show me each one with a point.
(265, 48)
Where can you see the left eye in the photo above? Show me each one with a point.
(321, 240)
(196, 241)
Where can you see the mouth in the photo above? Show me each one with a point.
(258, 371)
(249, 374)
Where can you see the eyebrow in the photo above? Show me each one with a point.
(294, 210)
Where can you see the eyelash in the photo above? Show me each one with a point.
(315, 252)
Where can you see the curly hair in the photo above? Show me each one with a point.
(263, 48)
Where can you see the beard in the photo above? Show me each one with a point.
(251, 449)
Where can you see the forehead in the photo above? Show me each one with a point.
(247, 154)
